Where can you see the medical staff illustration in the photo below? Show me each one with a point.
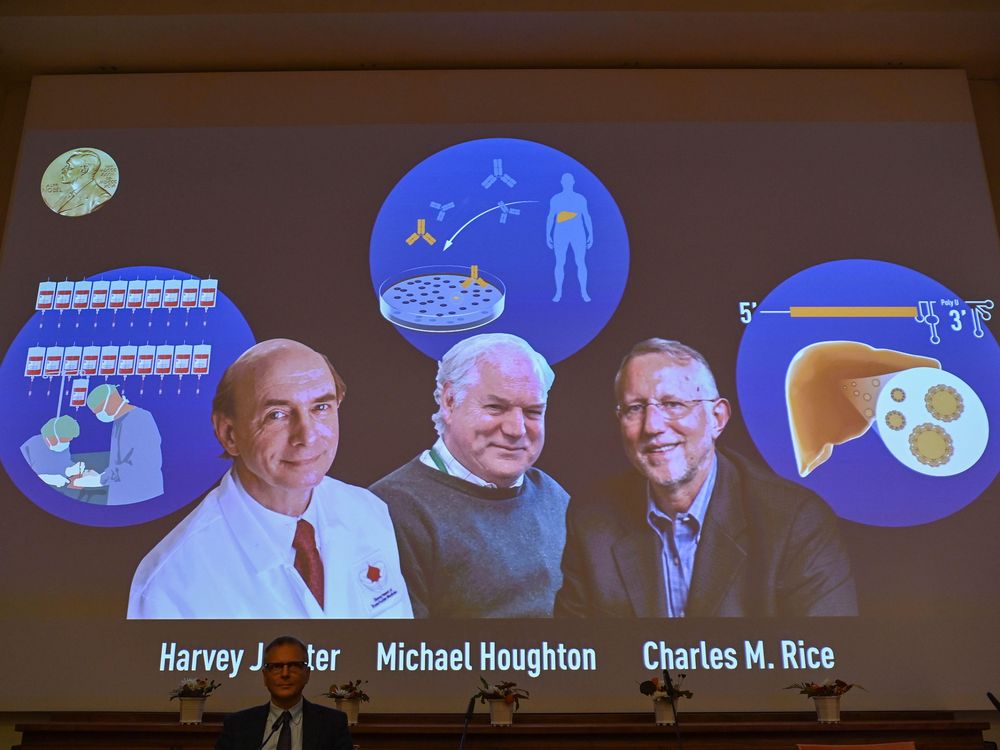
(48, 455)
(135, 460)
(569, 225)
(80, 174)
(277, 538)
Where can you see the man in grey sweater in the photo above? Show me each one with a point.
(480, 530)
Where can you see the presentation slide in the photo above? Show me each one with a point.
(558, 377)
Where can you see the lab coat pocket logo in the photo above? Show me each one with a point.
(371, 573)
(373, 576)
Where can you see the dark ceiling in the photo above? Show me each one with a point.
(93, 36)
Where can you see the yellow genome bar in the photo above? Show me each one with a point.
(853, 312)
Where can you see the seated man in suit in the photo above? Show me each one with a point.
(698, 532)
(289, 721)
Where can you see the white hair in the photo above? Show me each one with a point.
(457, 367)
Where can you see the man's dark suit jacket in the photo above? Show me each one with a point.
(322, 729)
(768, 548)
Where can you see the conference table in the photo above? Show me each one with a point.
(931, 730)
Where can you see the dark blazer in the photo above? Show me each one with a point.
(322, 729)
(768, 548)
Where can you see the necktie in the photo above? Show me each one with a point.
(285, 735)
(307, 559)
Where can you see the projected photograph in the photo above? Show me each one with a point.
(634, 371)
(714, 561)
(276, 416)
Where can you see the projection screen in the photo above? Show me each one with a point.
(824, 238)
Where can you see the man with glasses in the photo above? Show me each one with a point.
(277, 538)
(702, 532)
(288, 721)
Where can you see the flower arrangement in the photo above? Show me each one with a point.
(195, 687)
(508, 692)
(350, 690)
(824, 689)
(657, 688)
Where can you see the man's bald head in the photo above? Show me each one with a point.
(275, 413)
(257, 358)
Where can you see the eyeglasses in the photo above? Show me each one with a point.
(274, 667)
(669, 409)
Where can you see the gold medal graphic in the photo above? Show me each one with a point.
(79, 181)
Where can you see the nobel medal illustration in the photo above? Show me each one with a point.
(928, 418)
(79, 181)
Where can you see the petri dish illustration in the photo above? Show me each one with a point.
(442, 299)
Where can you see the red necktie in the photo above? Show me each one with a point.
(307, 559)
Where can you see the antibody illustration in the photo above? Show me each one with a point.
(441, 208)
(474, 277)
(498, 174)
(421, 233)
(505, 210)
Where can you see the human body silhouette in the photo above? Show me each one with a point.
(569, 225)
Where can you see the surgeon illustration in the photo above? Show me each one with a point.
(48, 455)
(569, 225)
(135, 462)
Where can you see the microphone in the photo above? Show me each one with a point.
(274, 728)
(673, 704)
(993, 700)
(468, 717)
(670, 686)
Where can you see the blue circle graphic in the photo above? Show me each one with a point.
(181, 330)
(862, 480)
(509, 210)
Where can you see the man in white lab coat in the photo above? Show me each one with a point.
(277, 538)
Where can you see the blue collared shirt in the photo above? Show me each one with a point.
(679, 538)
